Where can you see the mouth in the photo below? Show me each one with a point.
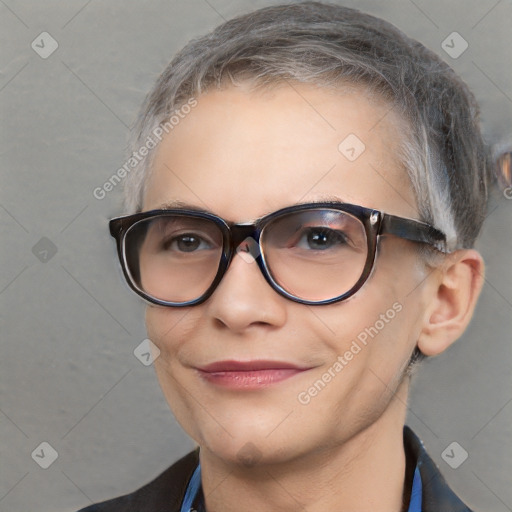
(248, 375)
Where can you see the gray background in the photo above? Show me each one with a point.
(68, 374)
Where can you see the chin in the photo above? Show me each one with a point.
(250, 443)
(249, 453)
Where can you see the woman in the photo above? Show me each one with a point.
(302, 221)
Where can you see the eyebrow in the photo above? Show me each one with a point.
(177, 204)
(325, 199)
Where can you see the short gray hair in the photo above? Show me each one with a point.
(328, 45)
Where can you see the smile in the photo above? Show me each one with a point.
(248, 375)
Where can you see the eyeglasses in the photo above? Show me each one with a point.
(314, 253)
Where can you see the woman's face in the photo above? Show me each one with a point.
(241, 155)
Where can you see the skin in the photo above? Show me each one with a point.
(241, 154)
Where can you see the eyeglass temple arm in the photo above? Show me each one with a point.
(114, 226)
(413, 230)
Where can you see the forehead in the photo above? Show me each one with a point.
(242, 153)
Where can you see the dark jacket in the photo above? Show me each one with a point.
(166, 492)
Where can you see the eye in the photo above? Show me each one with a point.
(186, 242)
(321, 238)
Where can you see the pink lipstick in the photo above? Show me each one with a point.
(248, 375)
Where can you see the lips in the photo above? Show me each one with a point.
(248, 375)
(241, 366)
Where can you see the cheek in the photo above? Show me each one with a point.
(168, 328)
(376, 330)
(368, 343)
(160, 324)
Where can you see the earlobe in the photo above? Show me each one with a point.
(453, 299)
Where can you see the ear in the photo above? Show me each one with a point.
(458, 282)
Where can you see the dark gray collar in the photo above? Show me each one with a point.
(437, 496)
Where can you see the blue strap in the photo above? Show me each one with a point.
(416, 492)
(192, 489)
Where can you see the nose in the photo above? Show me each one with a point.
(244, 299)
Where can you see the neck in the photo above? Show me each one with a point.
(364, 473)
